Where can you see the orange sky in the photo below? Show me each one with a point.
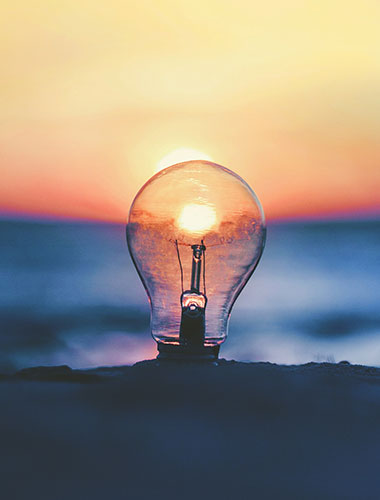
(94, 94)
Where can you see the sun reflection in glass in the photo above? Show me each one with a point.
(197, 218)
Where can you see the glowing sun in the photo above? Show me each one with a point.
(179, 155)
(197, 218)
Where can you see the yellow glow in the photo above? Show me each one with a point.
(102, 94)
(179, 155)
(197, 218)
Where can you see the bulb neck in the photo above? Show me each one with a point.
(187, 352)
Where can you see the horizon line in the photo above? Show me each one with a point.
(360, 215)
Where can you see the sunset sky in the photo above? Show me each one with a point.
(95, 94)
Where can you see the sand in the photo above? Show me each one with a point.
(226, 430)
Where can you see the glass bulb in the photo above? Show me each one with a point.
(195, 232)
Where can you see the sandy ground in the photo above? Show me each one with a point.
(232, 430)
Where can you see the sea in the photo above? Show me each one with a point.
(69, 294)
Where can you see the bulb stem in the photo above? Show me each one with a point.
(193, 303)
(196, 268)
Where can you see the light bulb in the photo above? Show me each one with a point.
(196, 232)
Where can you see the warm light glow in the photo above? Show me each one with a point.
(197, 218)
(84, 122)
(179, 155)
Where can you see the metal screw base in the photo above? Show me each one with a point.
(187, 353)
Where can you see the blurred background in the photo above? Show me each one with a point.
(98, 96)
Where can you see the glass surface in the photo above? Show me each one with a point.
(194, 203)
